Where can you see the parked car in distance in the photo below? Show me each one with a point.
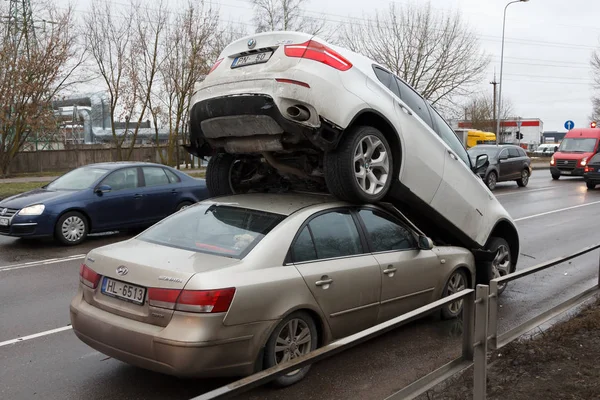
(546, 149)
(99, 198)
(591, 173)
(240, 283)
(290, 110)
(578, 146)
(507, 163)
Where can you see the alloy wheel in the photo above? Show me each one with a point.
(501, 264)
(525, 177)
(293, 340)
(455, 285)
(371, 164)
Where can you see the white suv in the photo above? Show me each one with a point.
(288, 109)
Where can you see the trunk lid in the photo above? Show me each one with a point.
(264, 52)
(141, 265)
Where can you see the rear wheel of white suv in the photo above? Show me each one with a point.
(228, 174)
(361, 169)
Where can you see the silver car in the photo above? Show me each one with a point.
(236, 284)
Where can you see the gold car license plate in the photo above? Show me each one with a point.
(124, 291)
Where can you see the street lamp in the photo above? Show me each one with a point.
(501, 64)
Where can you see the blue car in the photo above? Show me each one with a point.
(99, 198)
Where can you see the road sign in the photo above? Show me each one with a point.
(569, 125)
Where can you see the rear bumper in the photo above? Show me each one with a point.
(592, 177)
(572, 172)
(180, 349)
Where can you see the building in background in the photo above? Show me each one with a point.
(530, 129)
(553, 136)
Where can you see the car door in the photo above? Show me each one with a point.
(343, 277)
(423, 165)
(516, 162)
(122, 205)
(504, 166)
(409, 275)
(161, 194)
(462, 198)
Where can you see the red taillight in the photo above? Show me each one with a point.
(587, 169)
(201, 301)
(316, 51)
(88, 276)
(215, 65)
(293, 82)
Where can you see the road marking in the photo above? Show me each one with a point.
(556, 211)
(35, 335)
(41, 262)
(525, 191)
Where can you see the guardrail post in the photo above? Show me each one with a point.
(598, 269)
(480, 346)
(468, 315)
(493, 316)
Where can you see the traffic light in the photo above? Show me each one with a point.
(519, 135)
(593, 124)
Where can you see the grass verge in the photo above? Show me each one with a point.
(8, 189)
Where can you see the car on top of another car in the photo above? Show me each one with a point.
(281, 110)
(98, 198)
(507, 163)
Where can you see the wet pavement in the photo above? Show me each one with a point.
(38, 279)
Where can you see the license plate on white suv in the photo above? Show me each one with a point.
(124, 291)
(251, 59)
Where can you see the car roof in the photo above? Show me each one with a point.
(583, 133)
(122, 164)
(279, 203)
(492, 146)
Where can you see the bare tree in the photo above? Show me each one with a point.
(108, 39)
(479, 112)
(284, 15)
(37, 65)
(433, 51)
(595, 63)
(189, 55)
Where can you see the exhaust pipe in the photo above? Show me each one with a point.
(298, 113)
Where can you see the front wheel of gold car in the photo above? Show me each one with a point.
(293, 337)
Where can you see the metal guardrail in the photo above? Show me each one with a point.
(480, 317)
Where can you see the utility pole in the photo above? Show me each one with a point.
(494, 83)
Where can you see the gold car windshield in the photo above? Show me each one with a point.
(215, 229)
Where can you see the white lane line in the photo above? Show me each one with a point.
(556, 211)
(525, 191)
(35, 335)
(41, 262)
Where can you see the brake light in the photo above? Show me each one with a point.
(587, 169)
(88, 276)
(200, 301)
(215, 65)
(316, 51)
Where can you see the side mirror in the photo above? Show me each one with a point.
(481, 163)
(102, 189)
(425, 243)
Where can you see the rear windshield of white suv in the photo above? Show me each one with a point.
(215, 229)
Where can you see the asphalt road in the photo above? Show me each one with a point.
(37, 281)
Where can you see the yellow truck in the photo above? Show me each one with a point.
(473, 137)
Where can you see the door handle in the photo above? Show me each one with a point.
(452, 155)
(138, 196)
(324, 282)
(390, 270)
(406, 110)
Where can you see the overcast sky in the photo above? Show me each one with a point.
(547, 50)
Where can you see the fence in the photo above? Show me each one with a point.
(62, 160)
(480, 317)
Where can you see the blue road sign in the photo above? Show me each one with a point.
(569, 125)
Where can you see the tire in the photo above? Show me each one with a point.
(218, 174)
(500, 266)
(340, 166)
(556, 177)
(274, 357)
(524, 178)
(590, 185)
(72, 228)
(491, 180)
(182, 205)
(458, 281)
